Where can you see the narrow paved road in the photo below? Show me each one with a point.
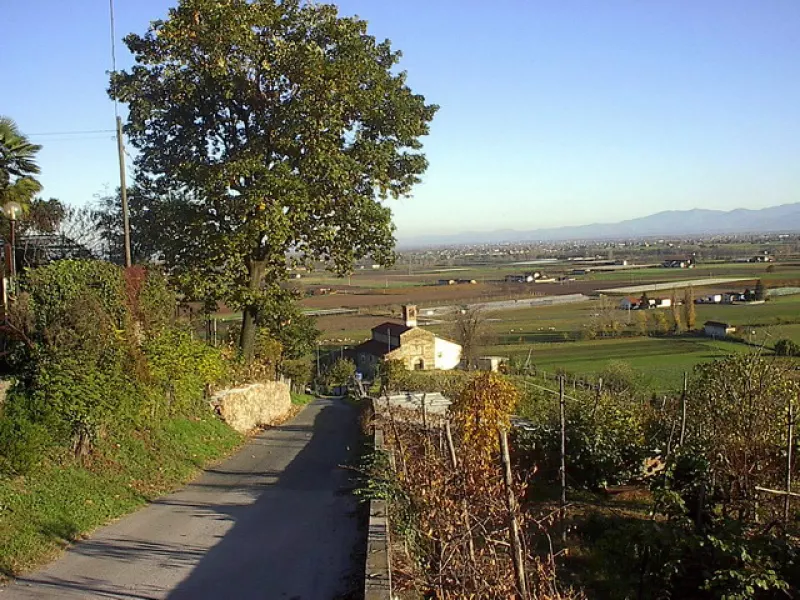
(275, 521)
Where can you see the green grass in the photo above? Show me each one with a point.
(662, 360)
(301, 399)
(43, 512)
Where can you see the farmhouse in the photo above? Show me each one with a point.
(417, 348)
(717, 329)
(679, 262)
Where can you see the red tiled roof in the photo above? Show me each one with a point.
(394, 329)
(373, 347)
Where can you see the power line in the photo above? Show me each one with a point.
(76, 132)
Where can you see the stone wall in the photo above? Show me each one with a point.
(256, 405)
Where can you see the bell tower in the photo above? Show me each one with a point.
(410, 315)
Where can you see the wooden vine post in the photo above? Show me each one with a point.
(517, 554)
(787, 500)
(563, 466)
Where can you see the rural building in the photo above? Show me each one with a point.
(679, 262)
(717, 329)
(418, 348)
(731, 297)
(491, 363)
(712, 299)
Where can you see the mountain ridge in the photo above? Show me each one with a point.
(773, 219)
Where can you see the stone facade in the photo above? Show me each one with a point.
(256, 405)
(417, 349)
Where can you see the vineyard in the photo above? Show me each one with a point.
(527, 489)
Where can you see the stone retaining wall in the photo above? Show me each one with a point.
(378, 571)
(256, 405)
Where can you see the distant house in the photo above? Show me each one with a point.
(663, 302)
(419, 349)
(679, 262)
(731, 297)
(712, 299)
(717, 329)
(491, 363)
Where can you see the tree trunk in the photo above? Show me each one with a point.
(247, 339)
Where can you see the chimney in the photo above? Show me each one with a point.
(410, 315)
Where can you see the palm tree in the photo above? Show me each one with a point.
(17, 165)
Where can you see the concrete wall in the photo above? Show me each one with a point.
(448, 354)
(255, 405)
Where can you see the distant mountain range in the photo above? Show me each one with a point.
(784, 218)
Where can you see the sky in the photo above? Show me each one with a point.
(553, 112)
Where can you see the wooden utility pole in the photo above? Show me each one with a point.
(563, 467)
(517, 555)
(123, 187)
(123, 190)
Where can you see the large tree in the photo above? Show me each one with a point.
(17, 164)
(278, 128)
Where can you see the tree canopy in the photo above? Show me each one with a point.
(270, 132)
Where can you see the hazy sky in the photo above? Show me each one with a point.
(554, 112)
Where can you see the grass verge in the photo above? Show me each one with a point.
(42, 513)
(301, 399)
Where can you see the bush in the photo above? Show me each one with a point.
(22, 445)
(55, 288)
(181, 368)
(605, 437)
(97, 354)
(79, 376)
(786, 347)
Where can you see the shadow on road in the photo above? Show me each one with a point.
(298, 539)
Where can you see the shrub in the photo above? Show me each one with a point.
(786, 347)
(22, 444)
(56, 287)
(77, 378)
(181, 368)
(339, 372)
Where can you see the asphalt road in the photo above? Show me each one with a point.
(275, 521)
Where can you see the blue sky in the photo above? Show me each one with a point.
(554, 112)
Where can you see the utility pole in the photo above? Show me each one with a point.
(123, 188)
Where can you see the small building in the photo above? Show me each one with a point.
(419, 349)
(679, 262)
(718, 329)
(731, 297)
(663, 302)
(491, 363)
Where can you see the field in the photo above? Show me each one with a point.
(553, 335)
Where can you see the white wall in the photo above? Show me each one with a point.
(447, 354)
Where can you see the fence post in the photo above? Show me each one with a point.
(787, 501)
(683, 407)
(516, 545)
(563, 467)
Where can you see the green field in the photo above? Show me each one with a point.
(662, 360)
